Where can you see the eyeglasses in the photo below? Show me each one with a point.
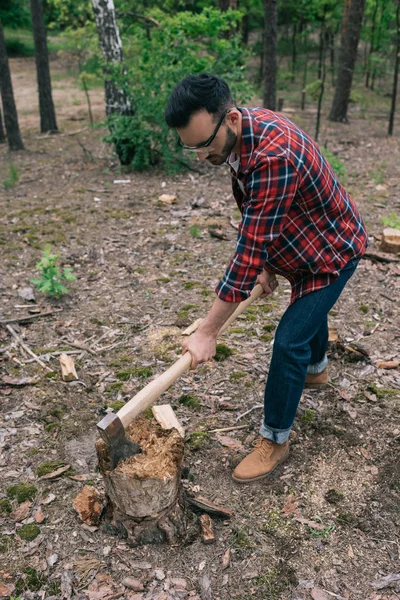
(210, 139)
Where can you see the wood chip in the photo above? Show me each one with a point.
(231, 443)
(89, 505)
(68, 372)
(226, 559)
(167, 198)
(388, 364)
(165, 416)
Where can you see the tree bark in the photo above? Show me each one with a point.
(396, 71)
(347, 59)
(372, 39)
(111, 47)
(2, 132)
(270, 52)
(7, 96)
(46, 106)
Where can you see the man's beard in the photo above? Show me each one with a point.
(219, 159)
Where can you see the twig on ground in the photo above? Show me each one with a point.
(227, 429)
(26, 348)
(249, 411)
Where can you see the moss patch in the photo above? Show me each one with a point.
(190, 400)
(269, 327)
(198, 439)
(189, 285)
(117, 405)
(22, 492)
(222, 352)
(140, 372)
(237, 375)
(5, 507)
(48, 467)
(31, 580)
(29, 532)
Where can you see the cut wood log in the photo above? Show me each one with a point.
(165, 416)
(68, 372)
(391, 240)
(145, 490)
(207, 529)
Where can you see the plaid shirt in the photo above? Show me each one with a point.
(297, 220)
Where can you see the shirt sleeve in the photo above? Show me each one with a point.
(269, 192)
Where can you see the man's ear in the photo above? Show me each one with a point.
(233, 116)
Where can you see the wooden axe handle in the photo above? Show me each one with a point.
(155, 388)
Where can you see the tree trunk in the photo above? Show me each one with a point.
(46, 105)
(111, 47)
(294, 51)
(270, 52)
(7, 96)
(2, 132)
(371, 47)
(245, 29)
(347, 59)
(321, 93)
(396, 71)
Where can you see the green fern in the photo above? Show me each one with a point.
(51, 278)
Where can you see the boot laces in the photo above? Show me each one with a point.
(263, 447)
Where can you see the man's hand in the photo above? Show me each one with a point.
(268, 283)
(202, 347)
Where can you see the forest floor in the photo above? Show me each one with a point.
(325, 526)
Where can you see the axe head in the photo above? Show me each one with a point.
(113, 434)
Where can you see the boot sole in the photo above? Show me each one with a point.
(316, 386)
(284, 457)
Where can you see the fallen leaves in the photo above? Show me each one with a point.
(291, 505)
(22, 512)
(55, 474)
(386, 581)
(231, 443)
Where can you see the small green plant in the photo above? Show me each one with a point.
(392, 220)
(29, 532)
(195, 231)
(334, 162)
(322, 533)
(51, 278)
(11, 178)
(190, 401)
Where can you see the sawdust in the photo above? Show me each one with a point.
(161, 341)
(162, 451)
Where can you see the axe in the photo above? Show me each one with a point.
(112, 427)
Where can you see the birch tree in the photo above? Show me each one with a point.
(111, 47)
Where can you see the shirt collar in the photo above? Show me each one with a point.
(247, 139)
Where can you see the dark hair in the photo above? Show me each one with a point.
(195, 93)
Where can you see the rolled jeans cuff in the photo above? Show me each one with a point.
(279, 436)
(318, 367)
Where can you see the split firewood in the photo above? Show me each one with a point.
(207, 529)
(165, 416)
(68, 372)
(210, 507)
(391, 240)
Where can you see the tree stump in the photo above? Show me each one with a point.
(145, 490)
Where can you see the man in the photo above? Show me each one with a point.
(297, 222)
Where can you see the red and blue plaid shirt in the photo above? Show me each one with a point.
(297, 220)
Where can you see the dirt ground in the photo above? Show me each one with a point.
(326, 525)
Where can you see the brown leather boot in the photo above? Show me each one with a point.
(261, 461)
(317, 381)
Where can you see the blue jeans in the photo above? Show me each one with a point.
(300, 345)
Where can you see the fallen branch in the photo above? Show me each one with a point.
(26, 318)
(26, 348)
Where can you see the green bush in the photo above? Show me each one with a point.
(184, 44)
